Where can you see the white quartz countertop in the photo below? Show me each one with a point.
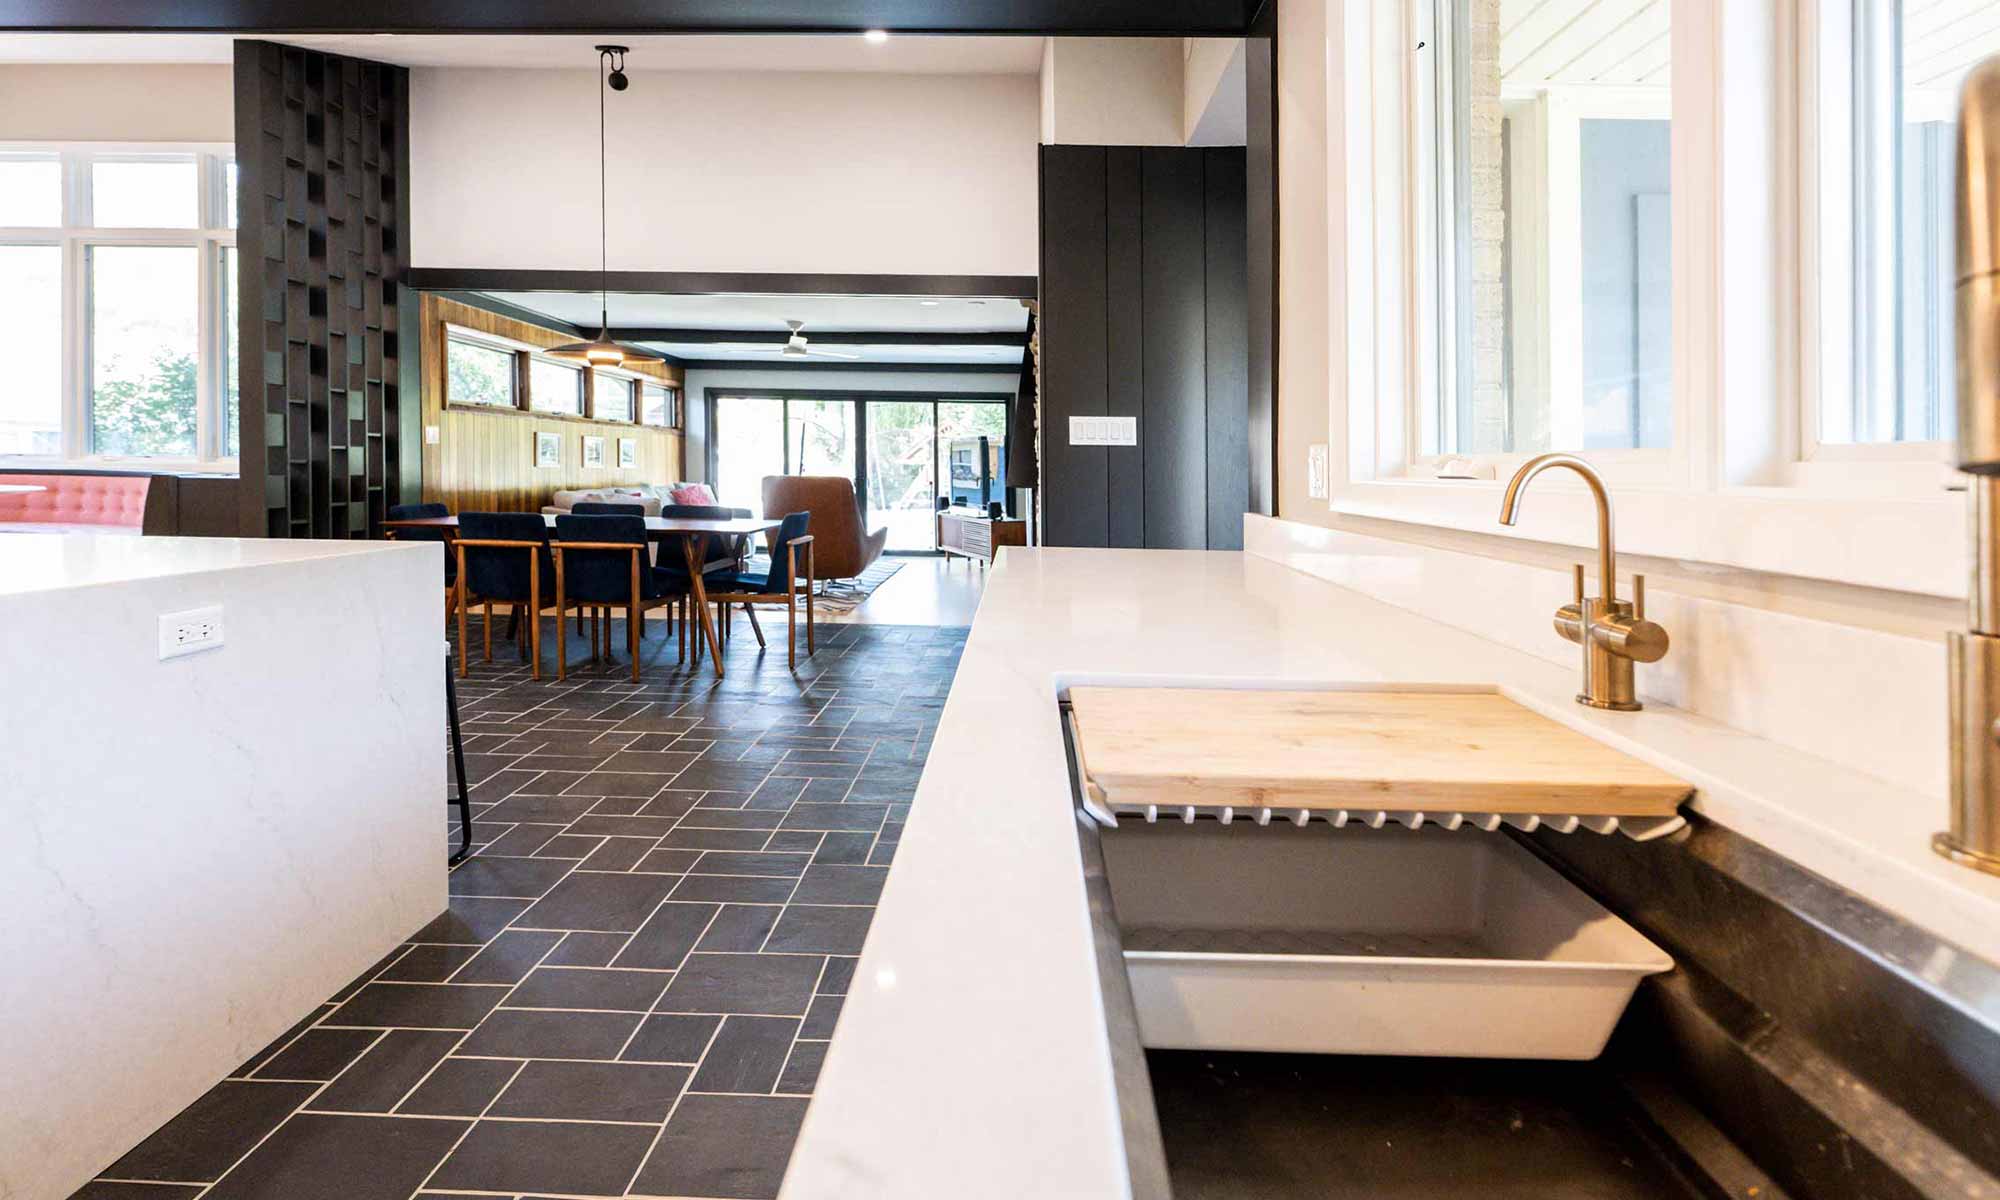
(971, 1059)
(47, 562)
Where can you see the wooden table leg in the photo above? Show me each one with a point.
(695, 547)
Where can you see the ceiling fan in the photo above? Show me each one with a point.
(796, 346)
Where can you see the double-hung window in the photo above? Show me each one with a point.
(117, 304)
(1706, 246)
(1881, 87)
(1541, 227)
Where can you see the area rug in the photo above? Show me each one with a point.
(843, 595)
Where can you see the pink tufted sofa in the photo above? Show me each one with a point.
(84, 502)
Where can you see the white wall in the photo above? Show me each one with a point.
(766, 171)
(129, 102)
(1215, 107)
(1112, 92)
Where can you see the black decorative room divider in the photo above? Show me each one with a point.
(328, 342)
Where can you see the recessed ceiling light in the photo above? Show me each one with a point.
(876, 36)
(928, 303)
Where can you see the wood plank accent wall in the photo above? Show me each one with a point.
(484, 460)
(322, 144)
(1145, 298)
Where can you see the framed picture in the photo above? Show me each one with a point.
(593, 452)
(548, 449)
(628, 453)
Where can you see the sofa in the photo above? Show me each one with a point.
(648, 495)
(100, 502)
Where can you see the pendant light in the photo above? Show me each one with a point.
(601, 351)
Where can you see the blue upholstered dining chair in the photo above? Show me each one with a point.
(421, 512)
(791, 569)
(504, 557)
(601, 561)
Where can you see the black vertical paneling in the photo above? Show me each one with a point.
(1174, 429)
(1227, 360)
(323, 157)
(1261, 228)
(1125, 342)
(1074, 370)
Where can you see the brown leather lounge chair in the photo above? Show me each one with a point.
(841, 548)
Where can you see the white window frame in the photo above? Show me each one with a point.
(210, 236)
(1744, 484)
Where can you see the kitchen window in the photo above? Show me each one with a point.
(1616, 230)
(117, 305)
(1883, 92)
(1543, 234)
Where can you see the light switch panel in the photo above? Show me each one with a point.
(1316, 471)
(430, 435)
(1104, 431)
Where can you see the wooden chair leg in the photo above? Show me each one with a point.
(535, 615)
(562, 631)
(464, 660)
(792, 631)
(632, 618)
(487, 621)
(751, 612)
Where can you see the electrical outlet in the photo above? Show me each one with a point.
(190, 632)
(1316, 471)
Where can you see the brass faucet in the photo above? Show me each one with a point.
(1974, 836)
(1613, 633)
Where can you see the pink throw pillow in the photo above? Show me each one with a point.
(693, 493)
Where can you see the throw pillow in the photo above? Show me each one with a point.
(693, 493)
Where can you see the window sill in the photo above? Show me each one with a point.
(152, 466)
(1899, 544)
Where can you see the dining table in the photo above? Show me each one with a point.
(693, 534)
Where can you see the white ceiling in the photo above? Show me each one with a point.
(1624, 42)
(895, 314)
(915, 54)
(767, 314)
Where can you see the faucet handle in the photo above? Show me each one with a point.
(1639, 596)
(1576, 575)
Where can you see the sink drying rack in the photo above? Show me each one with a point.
(1415, 758)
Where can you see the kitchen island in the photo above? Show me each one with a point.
(196, 849)
(972, 1058)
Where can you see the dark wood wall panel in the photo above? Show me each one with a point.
(323, 208)
(1227, 360)
(1174, 429)
(1125, 342)
(1075, 373)
(1143, 315)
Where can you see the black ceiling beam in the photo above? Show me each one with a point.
(1108, 18)
(843, 337)
(820, 364)
(715, 283)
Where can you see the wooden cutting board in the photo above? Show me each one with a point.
(1431, 751)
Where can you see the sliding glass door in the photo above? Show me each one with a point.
(902, 472)
(747, 442)
(902, 453)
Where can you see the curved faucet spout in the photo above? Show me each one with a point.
(1510, 506)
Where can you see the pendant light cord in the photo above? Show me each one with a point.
(603, 208)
